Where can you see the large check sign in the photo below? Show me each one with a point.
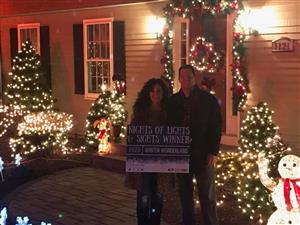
(163, 149)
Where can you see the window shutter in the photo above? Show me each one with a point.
(13, 43)
(119, 50)
(45, 54)
(78, 58)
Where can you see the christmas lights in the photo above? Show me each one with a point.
(203, 56)
(1, 168)
(189, 9)
(285, 193)
(240, 83)
(42, 131)
(257, 131)
(110, 107)
(28, 88)
(19, 220)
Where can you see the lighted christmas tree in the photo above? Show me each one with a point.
(28, 88)
(106, 119)
(41, 129)
(257, 133)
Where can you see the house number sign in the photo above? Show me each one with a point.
(283, 44)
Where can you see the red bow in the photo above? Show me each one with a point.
(101, 134)
(287, 188)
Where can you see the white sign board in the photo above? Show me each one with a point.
(163, 149)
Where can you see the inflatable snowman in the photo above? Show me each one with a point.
(285, 192)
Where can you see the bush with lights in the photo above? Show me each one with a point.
(43, 133)
(27, 91)
(106, 119)
(41, 129)
(257, 133)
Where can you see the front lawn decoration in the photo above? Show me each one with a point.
(27, 93)
(204, 57)
(109, 107)
(18, 159)
(28, 88)
(43, 132)
(239, 170)
(285, 191)
(1, 168)
(102, 125)
(19, 220)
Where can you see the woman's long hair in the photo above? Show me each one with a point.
(143, 101)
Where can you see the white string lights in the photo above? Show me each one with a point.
(41, 131)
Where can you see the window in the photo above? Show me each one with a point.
(98, 55)
(183, 42)
(29, 31)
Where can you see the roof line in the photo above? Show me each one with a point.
(81, 9)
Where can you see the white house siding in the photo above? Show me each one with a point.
(275, 77)
(143, 51)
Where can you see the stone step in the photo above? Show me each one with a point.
(114, 163)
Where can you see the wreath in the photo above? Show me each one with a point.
(204, 57)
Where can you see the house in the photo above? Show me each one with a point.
(84, 43)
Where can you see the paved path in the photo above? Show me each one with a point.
(80, 196)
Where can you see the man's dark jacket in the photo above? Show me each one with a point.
(205, 123)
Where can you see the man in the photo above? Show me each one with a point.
(200, 111)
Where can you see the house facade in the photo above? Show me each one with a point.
(84, 44)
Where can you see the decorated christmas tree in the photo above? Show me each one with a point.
(28, 88)
(41, 129)
(258, 135)
(106, 120)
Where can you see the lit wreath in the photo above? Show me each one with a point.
(204, 57)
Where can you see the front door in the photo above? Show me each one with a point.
(217, 30)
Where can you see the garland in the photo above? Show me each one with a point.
(240, 83)
(194, 9)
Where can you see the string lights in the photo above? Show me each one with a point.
(238, 172)
(196, 9)
(204, 57)
(240, 83)
(42, 131)
(110, 105)
(28, 88)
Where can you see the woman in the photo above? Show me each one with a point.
(149, 109)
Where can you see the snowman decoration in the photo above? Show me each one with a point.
(285, 192)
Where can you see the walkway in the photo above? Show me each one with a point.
(80, 196)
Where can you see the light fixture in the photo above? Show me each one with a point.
(155, 25)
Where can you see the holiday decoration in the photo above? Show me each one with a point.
(3, 216)
(20, 220)
(102, 136)
(285, 192)
(189, 9)
(204, 57)
(18, 159)
(28, 88)
(23, 221)
(42, 131)
(258, 134)
(240, 83)
(109, 106)
(1, 168)
(9, 115)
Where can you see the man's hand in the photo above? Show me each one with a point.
(211, 160)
